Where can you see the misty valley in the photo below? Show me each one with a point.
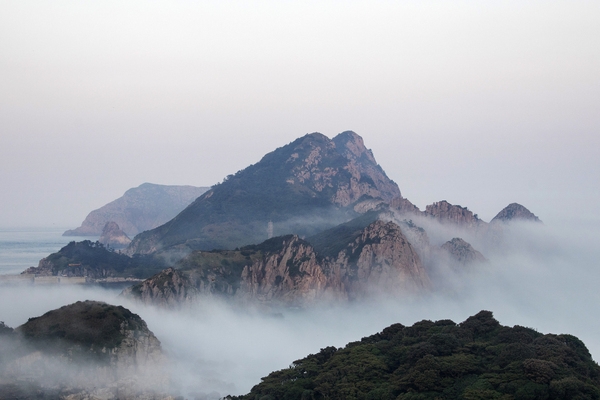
(306, 275)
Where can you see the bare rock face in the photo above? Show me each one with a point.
(367, 177)
(404, 206)
(380, 260)
(291, 275)
(113, 236)
(167, 288)
(287, 270)
(139, 209)
(449, 213)
(462, 252)
(515, 212)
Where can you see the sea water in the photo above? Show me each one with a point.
(21, 248)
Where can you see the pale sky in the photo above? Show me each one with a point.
(478, 103)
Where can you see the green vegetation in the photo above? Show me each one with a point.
(85, 328)
(330, 242)
(236, 212)
(220, 268)
(477, 359)
(92, 259)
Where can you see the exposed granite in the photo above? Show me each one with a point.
(113, 236)
(287, 270)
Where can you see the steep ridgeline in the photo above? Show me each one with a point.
(361, 258)
(475, 359)
(139, 209)
(515, 212)
(307, 186)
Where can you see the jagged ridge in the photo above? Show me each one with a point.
(288, 270)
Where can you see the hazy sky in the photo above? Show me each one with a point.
(478, 103)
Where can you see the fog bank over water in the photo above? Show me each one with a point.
(541, 276)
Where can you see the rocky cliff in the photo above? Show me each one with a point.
(515, 212)
(113, 236)
(462, 252)
(445, 212)
(377, 259)
(404, 206)
(139, 209)
(307, 186)
(110, 334)
(88, 349)
(168, 288)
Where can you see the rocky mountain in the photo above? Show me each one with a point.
(88, 349)
(514, 212)
(139, 209)
(169, 288)
(309, 185)
(112, 334)
(362, 258)
(113, 236)
(404, 206)
(445, 212)
(462, 252)
(475, 359)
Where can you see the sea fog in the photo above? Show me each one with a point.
(542, 276)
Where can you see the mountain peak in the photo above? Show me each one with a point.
(446, 212)
(306, 186)
(515, 211)
(352, 146)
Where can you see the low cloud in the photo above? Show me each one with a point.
(538, 276)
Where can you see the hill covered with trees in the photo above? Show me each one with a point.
(475, 359)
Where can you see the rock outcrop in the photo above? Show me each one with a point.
(515, 212)
(377, 259)
(367, 178)
(113, 236)
(88, 349)
(111, 334)
(139, 209)
(445, 212)
(380, 260)
(404, 206)
(168, 288)
(462, 252)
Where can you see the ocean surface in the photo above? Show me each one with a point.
(21, 248)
